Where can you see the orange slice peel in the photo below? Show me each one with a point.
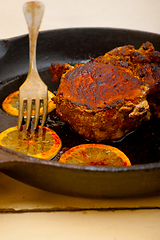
(11, 104)
(42, 143)
(95, 155)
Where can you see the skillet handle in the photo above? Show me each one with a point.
(4, 46)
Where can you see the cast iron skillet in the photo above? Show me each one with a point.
(141, 146)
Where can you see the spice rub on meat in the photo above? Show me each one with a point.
(111, 95)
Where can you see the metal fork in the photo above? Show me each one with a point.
(33, 89)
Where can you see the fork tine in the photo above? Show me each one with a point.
(20, 115)
(37, 108)
(33, 87)
(29, 108)
(45, 108)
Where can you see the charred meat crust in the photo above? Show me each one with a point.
(97, 85)
(57, 69)
(102, 124)
(112, 94)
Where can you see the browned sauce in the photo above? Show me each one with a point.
(141, 146)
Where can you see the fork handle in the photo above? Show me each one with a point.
(33, 12)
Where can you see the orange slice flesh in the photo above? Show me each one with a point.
(95, 154)
(11, 104)
(42, 143)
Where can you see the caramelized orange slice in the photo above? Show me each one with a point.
(42, 143)
(11, 104)
(95, 154)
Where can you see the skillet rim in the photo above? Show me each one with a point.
(82, 28)
(27, 159)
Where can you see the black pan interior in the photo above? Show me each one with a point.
(141, 146)
(76, 45)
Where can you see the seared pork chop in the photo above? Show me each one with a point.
(111, 95)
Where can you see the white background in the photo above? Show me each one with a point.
(137, 14)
